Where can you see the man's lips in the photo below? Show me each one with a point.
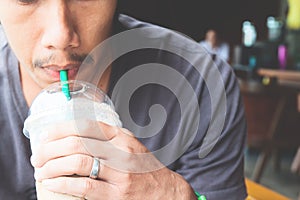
(54, 71)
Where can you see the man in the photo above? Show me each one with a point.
(198, 148)
(214, 45)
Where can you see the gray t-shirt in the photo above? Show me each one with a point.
(155, 103)
(16, 180)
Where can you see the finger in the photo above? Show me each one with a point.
(80, 165)
(82, 128)
(65, 166)
(82, 187)
(122, 153)
(72, 145)
(126, 131)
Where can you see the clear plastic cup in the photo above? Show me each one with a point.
(52, 106)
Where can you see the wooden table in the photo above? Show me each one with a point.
(284, 77)
(280, 74)
(259, 192)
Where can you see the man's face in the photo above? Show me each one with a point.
(50, 35)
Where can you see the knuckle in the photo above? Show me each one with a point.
(128, 178)
(126, 131)
(126, 190)
(131, 147)
(75, 144)
(130, 150)
(79, 162)
(87, 186)
(109, 132)
(128, 156)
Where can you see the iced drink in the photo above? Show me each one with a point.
(51, 106)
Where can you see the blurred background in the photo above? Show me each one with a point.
(194, 17)
(266, 59)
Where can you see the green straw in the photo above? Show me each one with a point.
(200, 196)
(64, 82)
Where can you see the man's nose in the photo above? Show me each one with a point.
(59, 29)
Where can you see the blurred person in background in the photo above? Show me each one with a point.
(213, 44)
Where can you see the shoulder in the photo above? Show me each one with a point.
(152, 32)
(171, 48)
(186, 53)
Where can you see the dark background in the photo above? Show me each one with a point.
(194, 17)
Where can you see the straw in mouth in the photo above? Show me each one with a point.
(64, 82)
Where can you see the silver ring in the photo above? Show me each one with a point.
(95, 169)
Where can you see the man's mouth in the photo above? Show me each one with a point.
(54, 71)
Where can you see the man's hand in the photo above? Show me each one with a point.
(64, 160)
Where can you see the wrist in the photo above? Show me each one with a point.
(184, 191)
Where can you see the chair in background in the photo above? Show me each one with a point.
(272, 121)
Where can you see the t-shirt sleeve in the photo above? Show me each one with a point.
(220, 174)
